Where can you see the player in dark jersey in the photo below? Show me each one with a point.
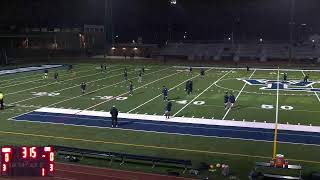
(190, 70)
(190, 87)
(105, 67)
(226, 101)
(125, 74)
(187, 87)
(232, 100)
(101, 67)
(130, 88)
(165, 93)
(202, 72)
(248, 68)
(83, 87)
(142, 70)
(56, 75)
(306, 78)
(140, 77)
(285, 77)
(168, 109)
(70, 67)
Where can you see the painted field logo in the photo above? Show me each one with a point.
(293, 85)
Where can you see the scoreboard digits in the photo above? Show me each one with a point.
(27, 161)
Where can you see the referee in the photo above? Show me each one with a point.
(1, 100)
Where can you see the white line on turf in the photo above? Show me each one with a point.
(56, 82)
(315, 93)
(201, 93)
(102, 88)
(161, 94)
(128, 92)
(245, 84)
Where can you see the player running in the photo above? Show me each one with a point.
(226, 101)
(168, 109)
(130, 88)
(83, 87)
(56, 75)
(45, 76)
(101, 67)
(165, 93)
(140, 77)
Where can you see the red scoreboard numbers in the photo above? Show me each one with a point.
(27, 161)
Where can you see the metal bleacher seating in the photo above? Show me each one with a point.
(242, 50)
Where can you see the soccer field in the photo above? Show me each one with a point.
(46, 111)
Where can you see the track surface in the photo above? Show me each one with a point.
(78, 172)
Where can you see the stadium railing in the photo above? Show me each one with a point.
(122, 157)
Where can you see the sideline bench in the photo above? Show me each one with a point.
(113, 156)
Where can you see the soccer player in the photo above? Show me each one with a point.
(125, 74)
(1, 100)
(165, 93)
(70, 67)
(56, 75)
(226, 101)
(285, 77)
(190, 87)
(140, 77)
(190, 70)
(83, 87)
(306, 78)
(114, 116)
(142, 70)
(248, 68)
(101, 67)
(187, 86)
(232, 100)
(105, 67)
(168, 110)
(202, 72)
(130, 88)
(45, 76)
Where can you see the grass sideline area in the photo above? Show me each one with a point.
(29, 91)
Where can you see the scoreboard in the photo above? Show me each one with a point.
(27, 161)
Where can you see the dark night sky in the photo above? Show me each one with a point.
(202, 19)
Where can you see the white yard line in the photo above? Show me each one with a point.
(114, 84)
(201, 93)
(161, 94)
(57, 82)
(315, 93)
(128, 92)
(245, 84)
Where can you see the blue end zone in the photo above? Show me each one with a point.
(254, 134)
